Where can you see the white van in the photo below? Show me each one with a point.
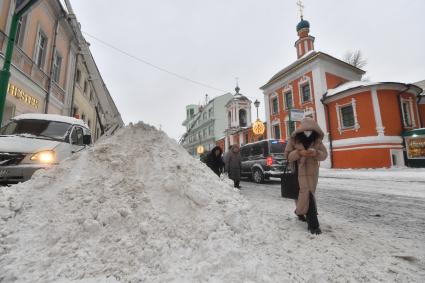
(29, 142)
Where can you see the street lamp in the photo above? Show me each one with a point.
(258, 127)
(257, 104)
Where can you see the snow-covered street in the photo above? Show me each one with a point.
(137, 208)
(373, 227)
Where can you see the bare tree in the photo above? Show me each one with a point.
(355, 58)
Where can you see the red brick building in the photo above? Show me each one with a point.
(363, 121)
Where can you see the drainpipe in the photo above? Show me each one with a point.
(329, 129)
(73, 85)
(49, 88)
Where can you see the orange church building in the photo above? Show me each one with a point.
(363, 121)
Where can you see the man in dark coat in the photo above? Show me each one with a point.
(214, 160)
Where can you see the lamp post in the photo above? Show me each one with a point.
(257, 104)
(21, 7)
(258, 127)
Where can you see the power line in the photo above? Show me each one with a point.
(151, 64)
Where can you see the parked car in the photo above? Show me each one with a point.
(263, 159)
(30, 142)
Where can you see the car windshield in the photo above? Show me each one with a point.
(277, 147)
(37, 129)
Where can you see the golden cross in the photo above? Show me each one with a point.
(301, 6)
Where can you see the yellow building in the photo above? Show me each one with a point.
(52, 68)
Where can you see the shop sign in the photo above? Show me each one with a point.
(22, 96)
(416, 147)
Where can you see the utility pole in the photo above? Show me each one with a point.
(22, 7)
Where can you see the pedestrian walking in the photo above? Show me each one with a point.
(225, 158)
(214, 160)
(233, 165)
(305, 147)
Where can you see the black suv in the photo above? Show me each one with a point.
(263, 159)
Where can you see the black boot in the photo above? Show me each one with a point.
(312, 220)
(300, 217)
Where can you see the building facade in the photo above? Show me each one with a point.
(49, 46)
(239, 121)
(205, 124)
(363, 121)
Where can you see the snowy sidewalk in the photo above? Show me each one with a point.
(367, 236)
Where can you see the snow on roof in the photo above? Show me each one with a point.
(359, 84)
(52, 117)
(349, 85)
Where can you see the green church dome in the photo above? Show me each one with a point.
(303, 24)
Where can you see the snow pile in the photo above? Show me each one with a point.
(349, 85)
(134, 208)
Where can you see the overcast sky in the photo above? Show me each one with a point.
(214, 41)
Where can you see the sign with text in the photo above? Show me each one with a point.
(416, 147)
(22, 96)
(296, 115)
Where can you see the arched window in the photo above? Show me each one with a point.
(242, 118)
(229, 118)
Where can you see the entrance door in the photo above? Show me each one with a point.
(397, 158)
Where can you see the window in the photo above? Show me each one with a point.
(211, 130)
(20, 33)
(204, 116)
(83, 117)
(290, 128)
(347, 116)
(78, 76)
(91, 95)
(276, 131)
(74, 111)
(204, 133)
(246, 138)
(407, 118)
(57, 63)
(85, 86)
(242, 118)
(257, 149)
(229, 119)
(192, 112)
(305, 93)
(211, 112)
(245, 151)
(288, 100)
(41, 48)
(77, 136)
(275, 105)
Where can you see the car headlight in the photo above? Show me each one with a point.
(47, 157)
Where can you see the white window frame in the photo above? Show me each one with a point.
(276, 123)
(305, 80)
(21, 32)
(272, 97)
(286, 90)
(341, 127)
(56, 72)
(410, 114)
(37, 55)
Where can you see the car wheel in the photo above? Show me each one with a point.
(258, 176)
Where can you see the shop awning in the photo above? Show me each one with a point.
(417, 132)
